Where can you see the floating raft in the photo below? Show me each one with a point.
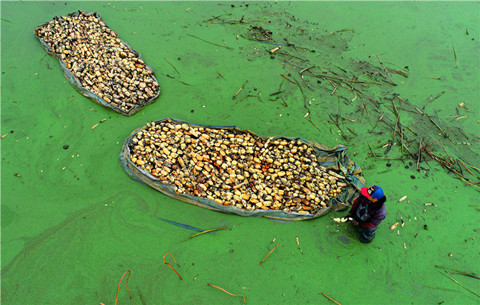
(230, 170)
(99, 64)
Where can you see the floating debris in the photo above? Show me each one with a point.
(118, 288)
(269, 254)
(171, 265)
(209, 231)
(392, 227)
(298, 245)
(455, 271)
(329, 298)
(180, 224)
(235, 295)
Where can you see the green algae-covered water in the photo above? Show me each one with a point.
(73, 222)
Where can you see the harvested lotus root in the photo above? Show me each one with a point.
(100, 64)
(233, 167)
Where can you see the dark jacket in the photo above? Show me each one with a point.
(368, 214)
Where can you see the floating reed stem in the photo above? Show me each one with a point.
(436, 125)
(455, 56)
(171, 265)
(118, 288)
(329, 298)
(285, 76)
(269, 254)
(456, 282)
(455, 271)
(419, 155)
(235, 295)
(209, 231)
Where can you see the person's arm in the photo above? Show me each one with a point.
(354, 208)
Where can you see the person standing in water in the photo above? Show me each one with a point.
(368, 211)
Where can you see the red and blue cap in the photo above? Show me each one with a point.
(374, 191)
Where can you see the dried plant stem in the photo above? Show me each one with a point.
(329, 298)
(436, 97)
(455, 271)
(372, 153)
(209, 231)
(235, 295)
(419, 159)
(215, 44)
(385, 69)
(172, 66)
(334, 87)
(435, 287)
(269, 254)
(118, 288)
(310, 120)
(451, 278)
(285, 76)
(306, 69)
(436, 125)
(465, 165)
(352, 131)
(450, 166)
(455, 55)
(395, 130)
(171, 265)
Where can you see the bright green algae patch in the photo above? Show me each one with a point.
(73, 222)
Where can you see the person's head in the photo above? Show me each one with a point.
(373, 193)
